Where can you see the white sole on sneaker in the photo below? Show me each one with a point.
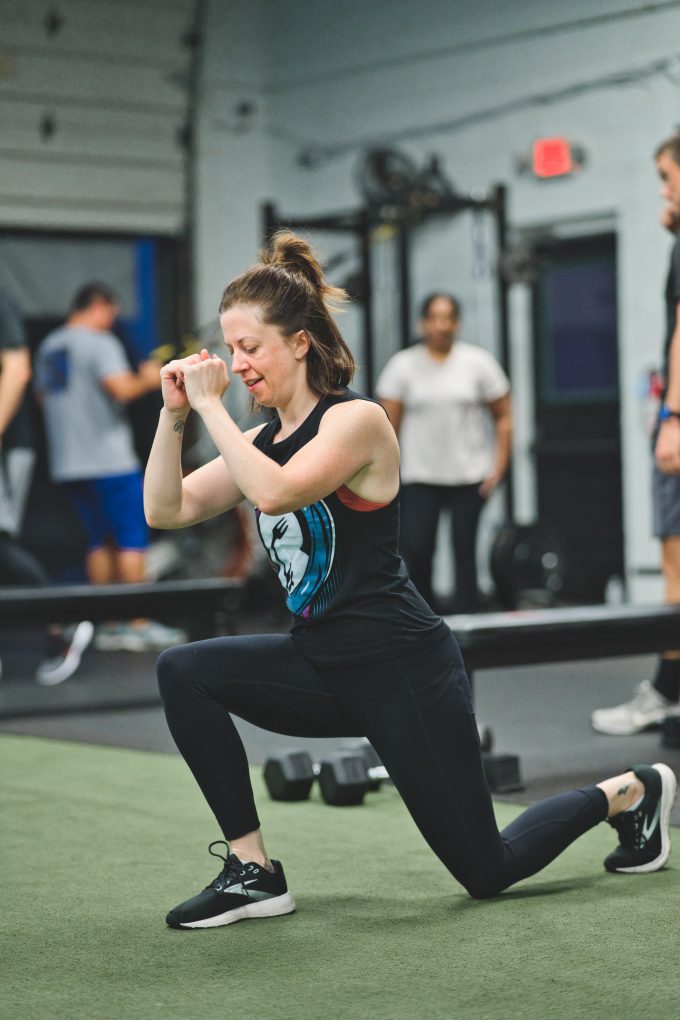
(258, 908)
(669, 789)
(602, 722)
(613, 730)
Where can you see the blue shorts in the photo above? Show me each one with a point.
(111, 509)
(666, 504)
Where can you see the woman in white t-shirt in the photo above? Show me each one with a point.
(441, 396)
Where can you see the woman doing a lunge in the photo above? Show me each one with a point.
(365, 656)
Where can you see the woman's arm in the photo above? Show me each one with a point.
(15, 375)
(171, 501)
(355, 444)
(502, 415)
(395, 412)
(342, 452)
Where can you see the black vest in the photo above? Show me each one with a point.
(338, 560)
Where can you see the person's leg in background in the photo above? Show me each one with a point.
(419, 514)
(18, 566)
(64, 646)
(654, 700)
(667, 680)
(112, 511)
(466, 505)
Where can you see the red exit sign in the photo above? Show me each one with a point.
(555, 157)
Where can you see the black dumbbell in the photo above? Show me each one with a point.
(289, 776)
(344, 777)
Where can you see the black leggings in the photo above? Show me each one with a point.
(415, 710)
(421, 506)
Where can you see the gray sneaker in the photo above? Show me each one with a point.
(108, 637)
(150, 636)
(647, 708)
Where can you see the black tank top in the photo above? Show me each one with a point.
(346, 583)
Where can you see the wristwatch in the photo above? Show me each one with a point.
(665, 413)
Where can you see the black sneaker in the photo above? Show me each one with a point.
(644, 834)
(240, 891)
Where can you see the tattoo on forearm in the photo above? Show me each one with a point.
(179, 427)
(623, 790)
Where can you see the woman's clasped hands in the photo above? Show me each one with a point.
(194, 381)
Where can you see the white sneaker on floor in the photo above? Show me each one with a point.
(150, 636)
(59, 668)
(107, 637)
(646, 708)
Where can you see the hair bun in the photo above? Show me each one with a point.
(296, 255)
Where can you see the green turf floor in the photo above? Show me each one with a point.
(96, 843)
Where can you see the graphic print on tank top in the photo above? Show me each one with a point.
(301, 547)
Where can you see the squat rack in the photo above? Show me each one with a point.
(360, 222)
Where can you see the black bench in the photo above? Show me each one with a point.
(204, 606)
(524, 638)
(487, 640)
(490, 640)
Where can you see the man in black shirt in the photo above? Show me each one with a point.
(654, 701)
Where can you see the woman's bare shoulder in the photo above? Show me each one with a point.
(360, 412)
(363, 422)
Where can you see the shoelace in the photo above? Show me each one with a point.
(628, 824)
(233, 867)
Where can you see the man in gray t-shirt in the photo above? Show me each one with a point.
(84, 381)
(88, 433)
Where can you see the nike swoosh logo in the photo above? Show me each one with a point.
(647, 828)
(239, 887)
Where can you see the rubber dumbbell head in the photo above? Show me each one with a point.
(289, 776)
(343, 779)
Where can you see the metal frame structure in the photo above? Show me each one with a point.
(360, 222)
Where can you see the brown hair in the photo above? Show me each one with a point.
(671, 146)
(289, 288)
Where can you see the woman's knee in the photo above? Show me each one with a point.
(485, 890)
(172, 670)
(485, 885)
